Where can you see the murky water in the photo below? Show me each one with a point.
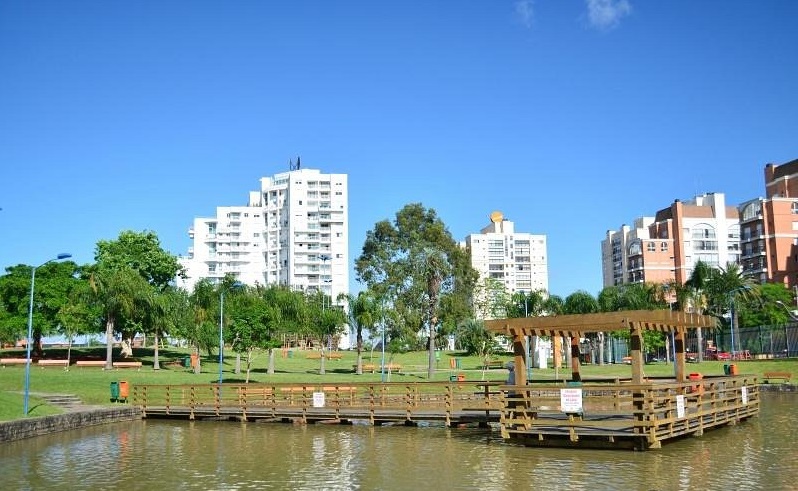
(760, 454)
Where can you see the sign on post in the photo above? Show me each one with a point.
(571, 400)
(318, 399)
(680, 406)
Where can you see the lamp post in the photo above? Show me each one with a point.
(30, 327)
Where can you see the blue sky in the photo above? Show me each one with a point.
(570, 116)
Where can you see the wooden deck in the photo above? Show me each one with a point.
(610, 414)
(641, 417)
(452, 403)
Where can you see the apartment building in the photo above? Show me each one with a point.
(769, 228)
(293, 231)
(667, 247)
(518, 261)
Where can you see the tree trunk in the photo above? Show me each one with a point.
(601, 348)
(198, 365)
(321, 367)
(156, 365)
(359, 342)
(700, 338)
(270, 370)
(109, 344)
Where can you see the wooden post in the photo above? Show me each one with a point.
(679, 358)
(519, 352)
(575, 375)
(636, 344)
(557, 341)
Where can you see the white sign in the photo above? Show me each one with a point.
(744, 392)
(680, 406)
(318, 399)
(571, 400)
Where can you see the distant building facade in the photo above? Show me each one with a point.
(294, 231)
(769, 228)
(518, 261)
(666, 247)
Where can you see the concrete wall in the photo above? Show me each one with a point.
(30, 427)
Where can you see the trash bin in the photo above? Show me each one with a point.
(187, 362)
(114, 391)
(726, 370)
(733, 369)
(696, 388)
(573, 383)
(290, 354)
(457, 363)
(194, 360)
(461, 377)
(124, 390)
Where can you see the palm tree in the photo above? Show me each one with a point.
(363, 312)
(116, 292)
(725, 288)
(694, 296)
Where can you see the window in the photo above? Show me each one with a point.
(663, 246)
(752, 211)
(794, 207)
(651, 247)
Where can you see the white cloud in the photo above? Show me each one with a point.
(525, 12)
(607, 14)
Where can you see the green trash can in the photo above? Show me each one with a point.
(187, 362)
(114, 391)
(726, 369)
(457, 363)
(572, 383)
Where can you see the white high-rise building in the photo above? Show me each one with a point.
(518, 261)
(294, 231)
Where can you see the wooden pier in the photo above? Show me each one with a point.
(626, 415)
(452, 403)
(605, 414)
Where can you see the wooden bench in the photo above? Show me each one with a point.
(367, 367)
(53, 363)
(90, 363)
(493, 364)
(127, 364)
(13, 361)
(315, 355)
(784, 376)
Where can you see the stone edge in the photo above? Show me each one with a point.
(19, 429)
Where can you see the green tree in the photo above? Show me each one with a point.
(142, 253)
(413, 263)
(53, 284)
(116, 293)
(476, 340)
(364, 312)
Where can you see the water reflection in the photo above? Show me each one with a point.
(179, 455)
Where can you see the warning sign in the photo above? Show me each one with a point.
(318, 399)
(571, 400)
(680, 406)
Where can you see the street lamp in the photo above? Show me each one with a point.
(30, 326)
(221, 328)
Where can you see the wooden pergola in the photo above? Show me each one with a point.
(577, 325)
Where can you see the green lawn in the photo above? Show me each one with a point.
(92, 385)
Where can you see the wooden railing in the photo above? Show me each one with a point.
(644, 415)
(373, 401)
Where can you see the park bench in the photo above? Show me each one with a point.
(373, 367)
(315, 355)
(127, 364)
(53, 363)
(367, 367)
(785, 376)
(90, 363)
(13, 361)
(493, 364)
